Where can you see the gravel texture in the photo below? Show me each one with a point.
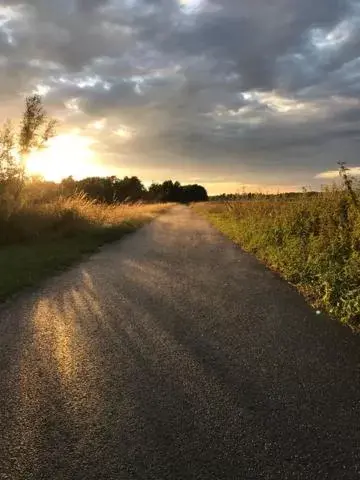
(175, 355)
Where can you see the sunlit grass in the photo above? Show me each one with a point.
(66, 216)
(313, 241)
(38, 239)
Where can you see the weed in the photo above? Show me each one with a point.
(313, 241)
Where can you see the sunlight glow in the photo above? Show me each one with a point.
(42, 89)
(190, 6)
(124, 133)
(73, 105)
(66, 155)
(331, 174)
(99, 124)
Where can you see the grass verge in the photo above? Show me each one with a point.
(65, 233)
(312, 241)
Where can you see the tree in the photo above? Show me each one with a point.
(194, 193)
(129, 189)
(36, 128)
(170, 191)
(68, 186)
(34, 132)
(107, 189)
(8, 160)
(155, 192)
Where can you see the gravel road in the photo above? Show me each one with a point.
(175, 355)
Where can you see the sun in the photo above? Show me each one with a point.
(65, 155)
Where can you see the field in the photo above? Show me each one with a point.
(37, 239)
(313, 241)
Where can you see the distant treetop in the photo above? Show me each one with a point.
(130, 189)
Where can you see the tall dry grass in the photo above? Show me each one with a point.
(313, 241)
(67, 216)
(40, 238)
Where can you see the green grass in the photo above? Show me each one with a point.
(37, 241)
(313, 242)
(26, 265)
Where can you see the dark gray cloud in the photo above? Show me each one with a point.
(90, 5)
(203, 85)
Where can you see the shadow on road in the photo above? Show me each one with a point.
(175, 355)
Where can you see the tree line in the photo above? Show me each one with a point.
(130, 189)
(33, 133)
(232, 197)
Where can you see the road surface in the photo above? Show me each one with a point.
(175, 355)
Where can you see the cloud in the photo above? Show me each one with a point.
(263, 89)
(335, 173)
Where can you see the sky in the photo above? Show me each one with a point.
(233, 94)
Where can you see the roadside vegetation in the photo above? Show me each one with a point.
(38, 239)
(311, 239)
(46, 226)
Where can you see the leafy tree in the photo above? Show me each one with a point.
(129, 189)
(9, 164)
(107, 189)
(170, 191)
(15, 144)
(36, 128)
(193, 193)
(155, 192)
(68, 186)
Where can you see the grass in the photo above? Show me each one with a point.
(38, 240)
(312, 241)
